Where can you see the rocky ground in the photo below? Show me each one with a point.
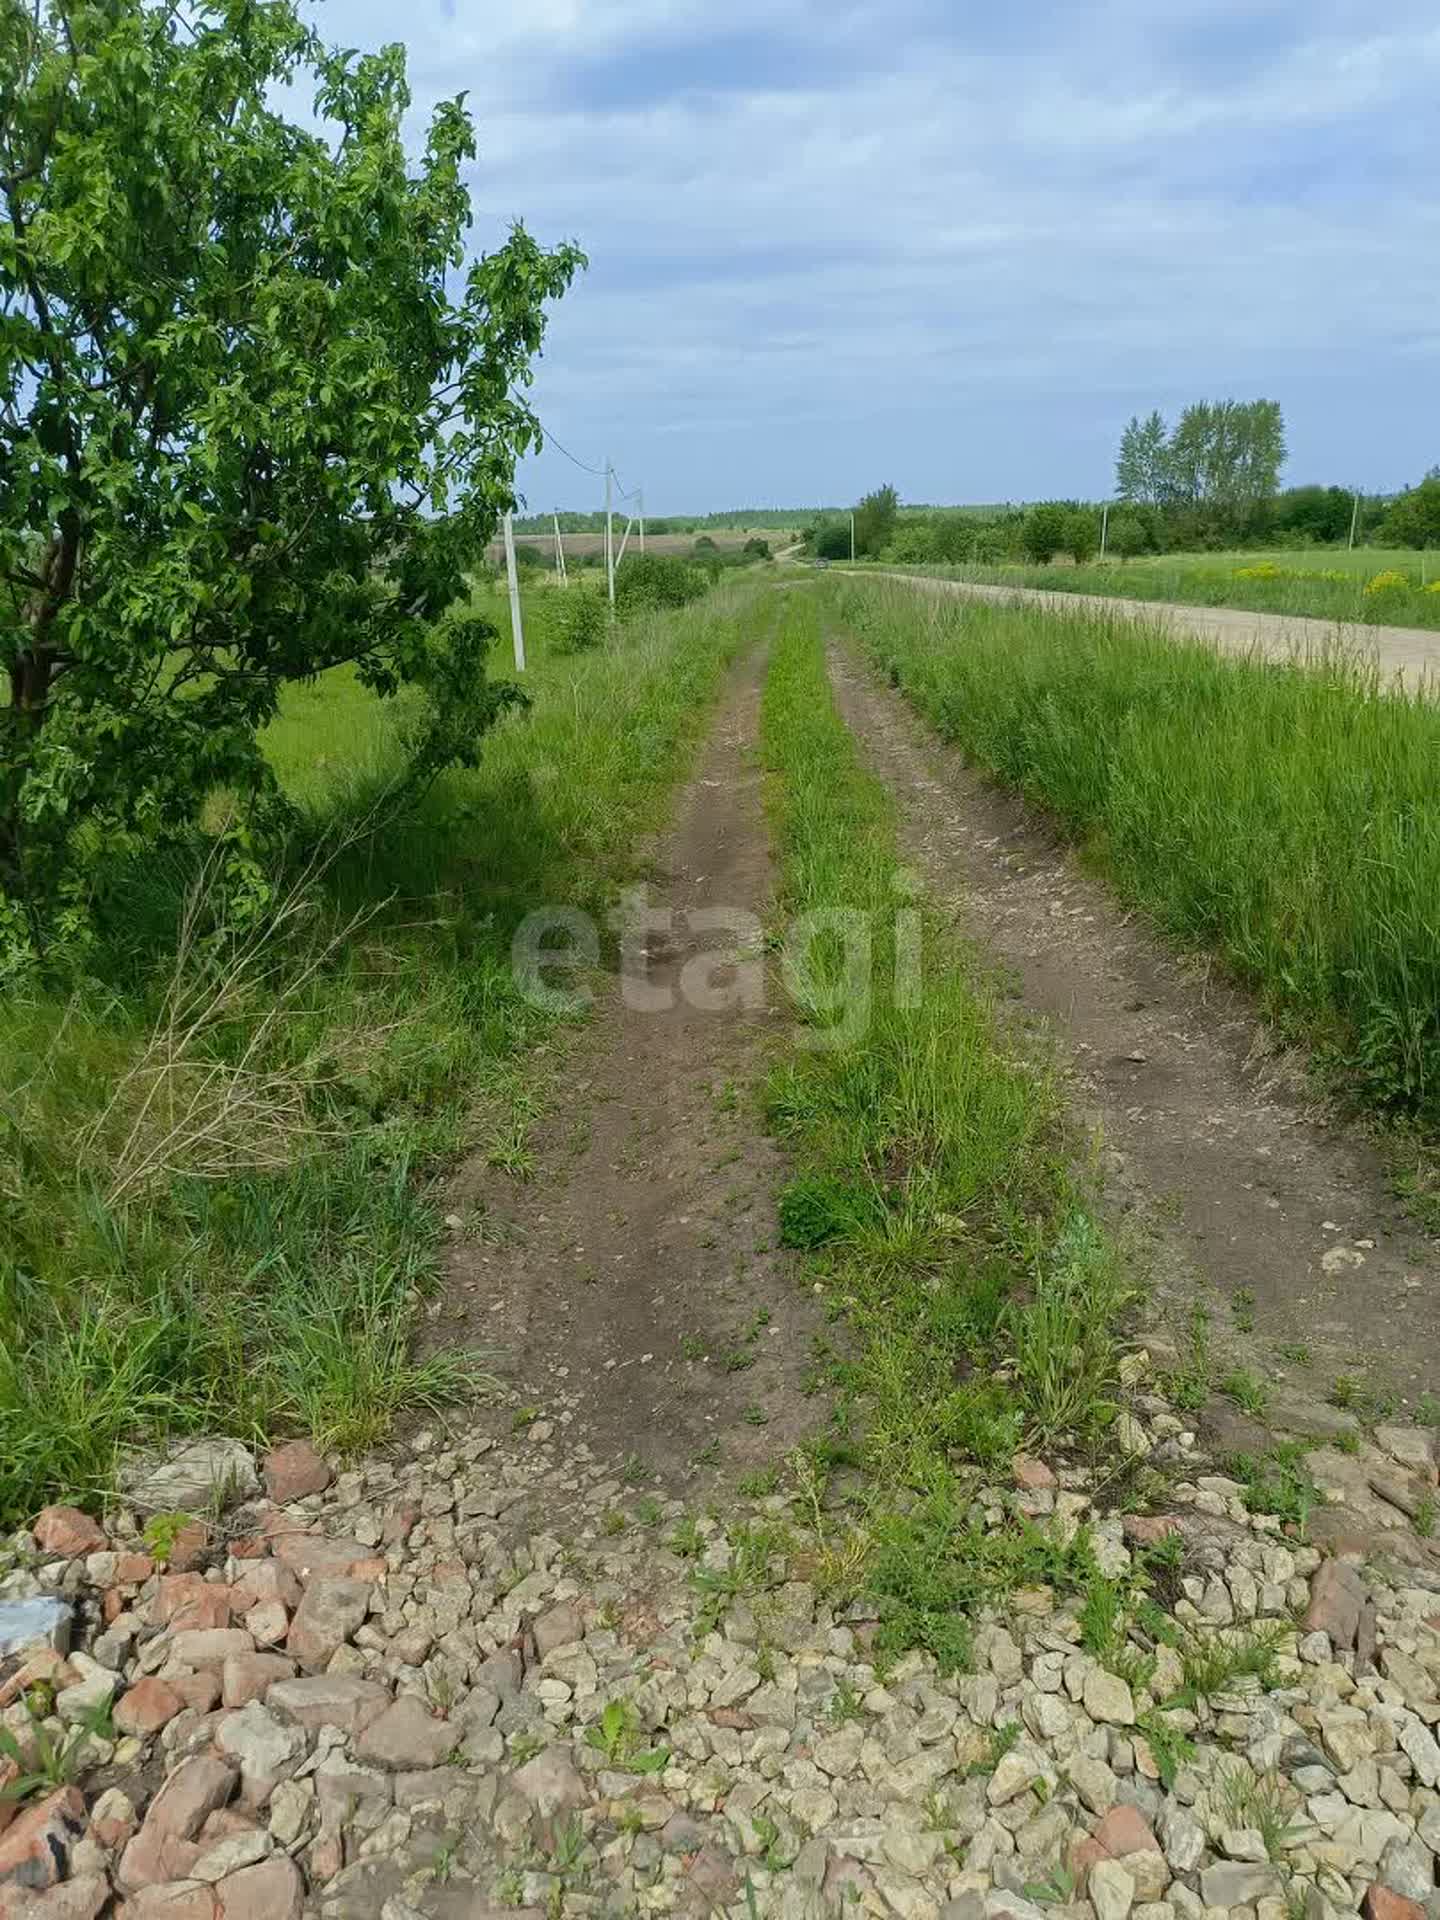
(394, 1692)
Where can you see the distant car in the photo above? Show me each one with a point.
(822, 563)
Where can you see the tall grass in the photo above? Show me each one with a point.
(933, 1190)
(1285, 817)
(162, 1273)
(1372, 586)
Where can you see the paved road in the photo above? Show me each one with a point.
(1411, 652)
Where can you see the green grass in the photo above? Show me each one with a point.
(932, 1191)
(1319, 582)
(156, 1279)
(1282, 817)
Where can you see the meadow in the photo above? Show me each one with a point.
(1284, 818)
(1372, 586)
(219, 1152)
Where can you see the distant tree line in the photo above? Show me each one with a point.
(711, 560)
(768, 518)
(1211, 481)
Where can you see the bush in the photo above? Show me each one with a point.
(757, 549)
(1043, 534)
(1081, 535)
(1127, 535)
(653, 580)
(831, 540)
(580, 621)
(1414, 519)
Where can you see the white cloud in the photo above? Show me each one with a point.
(959, 258)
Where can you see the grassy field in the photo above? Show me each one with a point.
(1282, 817)
(216, 1155)
(935, 1199)
(1375, 586)
(578, 545)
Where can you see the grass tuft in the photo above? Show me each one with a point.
(933, 1195)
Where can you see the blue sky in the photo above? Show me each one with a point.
(953, 246)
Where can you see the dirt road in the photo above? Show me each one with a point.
(1247, 1195)
(634, 1281)
(1411, 652)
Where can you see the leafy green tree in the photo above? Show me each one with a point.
(1321, 514)
(1043, 533)
(952, 539)
(1218, 470)
(831, 540)
(1141, 470)
(1414, 519)
(875, 520)
(256, 417)
(1082, 535)
(1224, 459)
(1127, 535)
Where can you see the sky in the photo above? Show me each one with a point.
(947, 245)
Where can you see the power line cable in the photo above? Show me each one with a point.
(549, 440)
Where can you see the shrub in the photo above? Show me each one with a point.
(1043, 534)
(654, 580)
(831, 540)
(580, 621)
(1414, 519)
(1127, 535)
(757, 549)
(1081, 535)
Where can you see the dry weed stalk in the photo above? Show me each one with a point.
(184, 1110)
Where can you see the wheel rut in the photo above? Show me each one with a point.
(1210, 1141)
(634, 1285)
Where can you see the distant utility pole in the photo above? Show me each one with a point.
(852, 539)
(640, 500)
(1354, 520)
(1104, 526)
(560, 552)
(609, 535)
(516, 624)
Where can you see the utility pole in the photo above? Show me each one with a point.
(1104, 526)
(1354, 521)
(517, 627)
(609, 536)
(852, 539)
(640, 500)
(559, 551)
(624, 540)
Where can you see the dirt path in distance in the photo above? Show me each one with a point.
(1411, 652)
(1239, 1182)
(633, 1286)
